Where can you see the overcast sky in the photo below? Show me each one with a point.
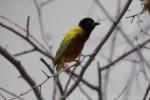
(59, 16)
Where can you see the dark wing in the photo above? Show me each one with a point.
(66, 42)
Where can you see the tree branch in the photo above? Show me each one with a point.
(25, 30)
(122, 32)
(10, 93)
(99, 82)
(25, 52)
(22, 71)
(83, 80)
(53, 73)
(3, 96)
(28, 41)
(146, 93)
(125, 55)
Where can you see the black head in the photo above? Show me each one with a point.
(88, 24)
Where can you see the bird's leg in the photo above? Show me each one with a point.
(77, 62)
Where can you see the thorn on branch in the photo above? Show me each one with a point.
(45, 73)
(142, 31)
(52, 71)
(132, 17)
(25, 52)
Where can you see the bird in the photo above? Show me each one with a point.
(73, 42)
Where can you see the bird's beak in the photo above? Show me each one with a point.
(96, 23)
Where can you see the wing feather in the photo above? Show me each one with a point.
(66, 42)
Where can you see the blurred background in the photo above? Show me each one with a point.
(48, 25)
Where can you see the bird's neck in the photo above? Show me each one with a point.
(82, 33)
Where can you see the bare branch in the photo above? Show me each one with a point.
(83, 80)
(69, 80)
(124, 89)
(146, 93)
(22, 71)
(132, 17)
(121, 31)
(84, 92)
(39, 12)
(52, 71)
(54, 90)
(10, 21)
(46, 2)
(99, 82)
(25, 52)
(28, 26)
(23, 29)
(10, 93)
(125, 55)
(28, 40)
(3, 96)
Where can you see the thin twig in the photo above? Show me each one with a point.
(52, 71)
(146, 47)
(146, 93)
(138, 47)
(69, 80)
(23, 29)
(78, 62)
(124, 89)
(132, 17)
(37, 86)
(22, 94)
(99, 82)
(83, 80)
(28, 26)
(10, 21)
(3, 96)
(25, 52)
(121, 31)
(54, 90)
(40, 21)
(22, 71)
(10, 93)
(28, 41)
(84, 92)
(107, 74)
(46, 2)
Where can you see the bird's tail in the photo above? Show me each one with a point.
(58, 68)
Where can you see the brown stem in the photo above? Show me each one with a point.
(22, 71)
(125, 55)
(28, 40)
(146, 93)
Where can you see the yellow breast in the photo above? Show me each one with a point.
(75, 49)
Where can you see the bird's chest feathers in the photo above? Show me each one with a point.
(76, 47)
(80, 40)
